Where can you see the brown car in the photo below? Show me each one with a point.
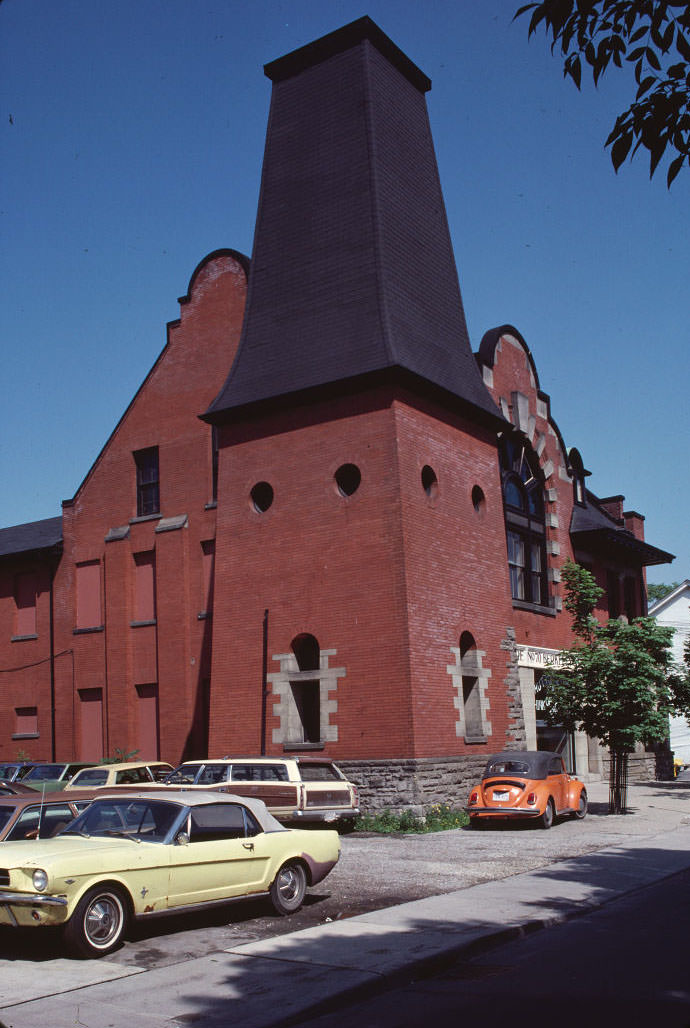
(30, 816)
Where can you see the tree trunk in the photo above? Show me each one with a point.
(618, 782)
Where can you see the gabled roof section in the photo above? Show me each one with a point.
(34, 537)
(670, 598)
(593, 529)
(352, 272)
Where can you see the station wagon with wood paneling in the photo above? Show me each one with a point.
(295, 789)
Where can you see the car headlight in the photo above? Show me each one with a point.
(40, 880)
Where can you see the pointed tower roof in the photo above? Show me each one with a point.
(352, 276)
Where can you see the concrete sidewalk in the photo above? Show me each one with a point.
(284, 979)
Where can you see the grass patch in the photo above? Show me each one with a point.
(439, 818)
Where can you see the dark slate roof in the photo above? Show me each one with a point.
(593, 529)
(352, 272)
(30, 538)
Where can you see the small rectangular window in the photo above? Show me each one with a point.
(214, 463)
(613, 593)
(25, 590)
(144, 586)
(25, 723)
(631, 602)
(526, 563)
(208, 550)
(88, 580)
(148, 493)
(516, 563)
(148, 742)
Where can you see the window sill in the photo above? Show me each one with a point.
(476, 740)
(22, 638)
(303, 746)
(145, 517)
(26, 735)
(88, 631)
(141, 624)
(535, 608)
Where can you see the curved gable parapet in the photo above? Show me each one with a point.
(241, 259)
(486, 354)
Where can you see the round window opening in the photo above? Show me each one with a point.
(262, 497)
(478, 499)
(348, 478)
(429, 482)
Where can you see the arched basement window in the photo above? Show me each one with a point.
(523, 504)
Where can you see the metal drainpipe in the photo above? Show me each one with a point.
(264, 684)
(51, 620)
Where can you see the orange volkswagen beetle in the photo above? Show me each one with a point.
(524, 784)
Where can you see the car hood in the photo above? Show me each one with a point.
(75, 853)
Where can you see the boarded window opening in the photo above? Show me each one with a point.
(25, 590)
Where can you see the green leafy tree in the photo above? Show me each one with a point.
(657, 592)
(653, 37)
(617, 682)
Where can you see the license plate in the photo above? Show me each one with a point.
(501, 795)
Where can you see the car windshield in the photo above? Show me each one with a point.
(507, 767)
(44, 772)
(145, 820)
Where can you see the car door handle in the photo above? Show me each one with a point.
(248, 845)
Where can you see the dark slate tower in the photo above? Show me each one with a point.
(352, 272)
(359, 522)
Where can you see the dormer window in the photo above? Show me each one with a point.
(523, 503)
(578, 472)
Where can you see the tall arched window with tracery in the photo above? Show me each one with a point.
(523, 504)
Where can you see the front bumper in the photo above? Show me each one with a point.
(31, 899)
(29, 908)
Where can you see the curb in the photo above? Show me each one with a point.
(429, 966)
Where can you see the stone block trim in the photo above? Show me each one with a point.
(285, 707)
(516, 713)
(482, 675)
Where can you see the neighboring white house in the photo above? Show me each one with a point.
(674, 612)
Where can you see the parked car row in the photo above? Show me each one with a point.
(93, 860)
(295, 789)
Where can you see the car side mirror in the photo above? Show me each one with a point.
(182, 839)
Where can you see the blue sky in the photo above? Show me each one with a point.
(131, 139)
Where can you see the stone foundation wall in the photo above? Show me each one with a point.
(415, 785)
(645, 767)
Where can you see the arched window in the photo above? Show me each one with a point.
(305, 689)
(523, 502)
(471, 700)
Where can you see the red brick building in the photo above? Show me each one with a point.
(323, 523)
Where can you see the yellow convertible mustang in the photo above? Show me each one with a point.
(145, 854)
